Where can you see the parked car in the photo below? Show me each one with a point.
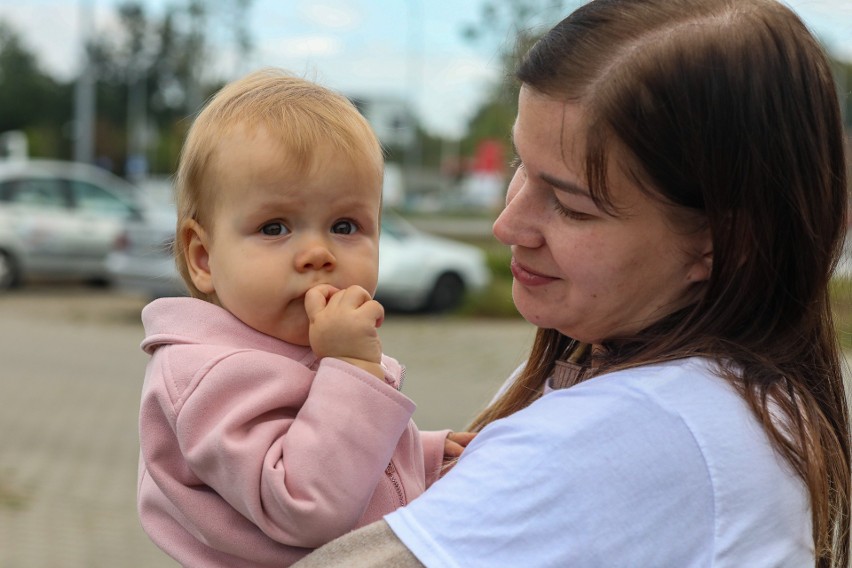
(59, 219)
(417, 271)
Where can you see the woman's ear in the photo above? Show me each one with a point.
(702, 266)
(196, 253)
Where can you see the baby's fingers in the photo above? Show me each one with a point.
(353, 297)
(374, 311)
(317, 298)
(462, 438)
(358, 299)
(451, 449)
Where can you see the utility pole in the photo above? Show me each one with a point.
(84, 93)
(414, 151)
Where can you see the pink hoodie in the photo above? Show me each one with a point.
(253, 452)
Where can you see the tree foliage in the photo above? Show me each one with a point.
(152, 74)
(174, 57)
(510, 26)
(30, 100)
(514, 26)
(159, 70)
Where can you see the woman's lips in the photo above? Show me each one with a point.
(526, 276)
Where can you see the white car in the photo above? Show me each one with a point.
(423, 272)
(417, 271)
(59, 219)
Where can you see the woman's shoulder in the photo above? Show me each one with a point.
(683, 410)
(692, 390)
(645, 399)
(657, 424)
(676, 432)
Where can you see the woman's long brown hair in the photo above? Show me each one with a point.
(727, 110)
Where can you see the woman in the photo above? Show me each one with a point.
(674, 220)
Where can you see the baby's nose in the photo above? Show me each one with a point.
(315, 257)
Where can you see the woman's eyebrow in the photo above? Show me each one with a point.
(565, 185)
(560, 184)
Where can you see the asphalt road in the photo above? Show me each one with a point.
(70, 376)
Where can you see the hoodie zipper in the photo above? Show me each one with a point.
(390, 471)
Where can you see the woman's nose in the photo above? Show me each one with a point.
(516, 223)
(315, 256)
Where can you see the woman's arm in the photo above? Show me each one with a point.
(372, 546)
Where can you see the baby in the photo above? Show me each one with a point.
(270, 420)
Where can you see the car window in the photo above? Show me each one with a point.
(92, 198)
(38, 192)
(395, 227)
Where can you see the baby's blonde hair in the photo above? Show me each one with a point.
(301, 115)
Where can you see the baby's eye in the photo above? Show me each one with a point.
(344, 227)
(274, 229)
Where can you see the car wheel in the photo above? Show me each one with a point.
(447, 293)
(9, 272)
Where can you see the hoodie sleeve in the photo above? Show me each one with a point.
(299, 455)
(433, 453)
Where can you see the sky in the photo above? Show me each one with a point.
(414, 49)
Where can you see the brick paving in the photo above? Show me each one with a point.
(70, 375)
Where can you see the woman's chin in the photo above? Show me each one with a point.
(536, 315)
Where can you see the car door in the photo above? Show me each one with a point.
(102, 215)
(36, 210)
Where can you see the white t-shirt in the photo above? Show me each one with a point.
(659, 466)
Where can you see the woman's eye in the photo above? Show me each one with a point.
(570, 213)
(344, 227)
(274, 229)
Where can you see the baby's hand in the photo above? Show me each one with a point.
(456, 442)
(454, 445)
(344, 325)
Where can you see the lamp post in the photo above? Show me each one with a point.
(84, 93)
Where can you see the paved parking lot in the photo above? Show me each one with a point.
(70, 375)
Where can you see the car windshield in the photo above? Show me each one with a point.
(92, 198)
(396, 226)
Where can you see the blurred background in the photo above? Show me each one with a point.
(116, 82)
(95, 99)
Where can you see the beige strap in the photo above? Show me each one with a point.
(373, 546)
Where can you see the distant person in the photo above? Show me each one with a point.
(271, 422)
(674, 220)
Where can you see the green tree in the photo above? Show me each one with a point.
(511, 27)
(843, 76)
(30, 100)
(157, 72)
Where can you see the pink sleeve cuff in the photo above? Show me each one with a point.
(433, 453)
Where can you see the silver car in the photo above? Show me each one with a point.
(417, 271)
(59, 219)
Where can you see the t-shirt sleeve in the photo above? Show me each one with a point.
(595, 475)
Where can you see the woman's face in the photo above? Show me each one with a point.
(577, 269)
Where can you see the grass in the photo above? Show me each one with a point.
(496, 300)
(11, 498)
(841, 305)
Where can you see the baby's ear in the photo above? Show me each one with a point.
(196, 245)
